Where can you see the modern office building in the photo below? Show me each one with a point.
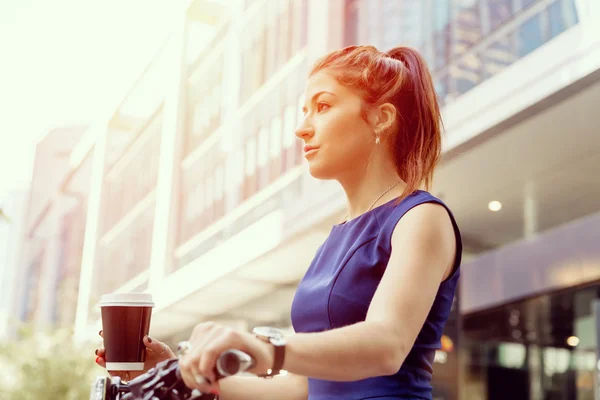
(200, 195)
(39, 283)
(12, 224)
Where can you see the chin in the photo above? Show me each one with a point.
(320, 172)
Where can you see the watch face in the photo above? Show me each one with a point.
(268, 332)
(279, 341)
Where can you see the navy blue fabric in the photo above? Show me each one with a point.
(338, 287)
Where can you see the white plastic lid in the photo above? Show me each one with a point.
(126, 300)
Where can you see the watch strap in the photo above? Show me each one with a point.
(278, 360)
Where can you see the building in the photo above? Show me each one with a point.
(11, 233)
(200, 195)
(46, 243)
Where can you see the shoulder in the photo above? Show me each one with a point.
(420, 210)
(430, 219)
(428, 231)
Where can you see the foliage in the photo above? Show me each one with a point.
(47, 366)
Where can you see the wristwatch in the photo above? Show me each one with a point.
(277, 339)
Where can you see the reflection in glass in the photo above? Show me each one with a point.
(468, 26)
(498, 56)
(441, 33)
(467, 73)
(540, 363)
(499, 11)
(562, 15)
(529, 36)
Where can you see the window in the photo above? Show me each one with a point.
(441, 33)
(562, 15)
(529, 36)
(250, 156)
(392, 23)
(498, 56)
(499, 11)
(468, 26)
(275, 146)
(502, 345)
(263, 147)
(351, 22)
(467, 73)
(219, 181)
(527, 3)
(289, 126)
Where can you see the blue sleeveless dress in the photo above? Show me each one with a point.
(338, 287)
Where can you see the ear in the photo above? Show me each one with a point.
(384, 118)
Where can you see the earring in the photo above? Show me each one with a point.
(377, 141)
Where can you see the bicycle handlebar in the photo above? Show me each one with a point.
(165, 382)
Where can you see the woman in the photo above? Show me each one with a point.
(370, 311)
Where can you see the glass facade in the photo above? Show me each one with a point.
(464, 42)
(544, 346)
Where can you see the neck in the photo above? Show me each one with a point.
(363, 186)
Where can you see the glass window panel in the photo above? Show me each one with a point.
(251, 156)
(441, 33)
(529, 36)
(351, 21)
(467, 73)
(527, 3)
(562, 15)
(441, 14)
(219, 181)
(441, 88)
(468, 29)
(263, 147)
(499, 11)
(275, 145)
(498, 56)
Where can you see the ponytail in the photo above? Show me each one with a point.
(417, 146)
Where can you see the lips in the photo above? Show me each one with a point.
(308, 148)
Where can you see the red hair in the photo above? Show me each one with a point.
(399, 77)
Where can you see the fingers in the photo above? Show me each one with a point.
(158, 348)
(191, 377)
(210, 353)
(101, 361)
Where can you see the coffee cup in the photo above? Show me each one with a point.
(125, 322)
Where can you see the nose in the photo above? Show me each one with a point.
(304, 130)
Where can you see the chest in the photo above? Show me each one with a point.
(340, 283)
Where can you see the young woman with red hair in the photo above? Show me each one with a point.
(370, 311)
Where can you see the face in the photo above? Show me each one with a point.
(337, 138)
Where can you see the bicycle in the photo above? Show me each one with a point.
(164, 382)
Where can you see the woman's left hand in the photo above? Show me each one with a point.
(208, 341)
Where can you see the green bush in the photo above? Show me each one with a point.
(47, 366)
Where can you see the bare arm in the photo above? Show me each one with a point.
(423, 250)
(281, 387)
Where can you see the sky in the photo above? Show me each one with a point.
(65, 62)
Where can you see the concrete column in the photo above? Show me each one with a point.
(167, 186)
(90, 242)
(530, 211)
